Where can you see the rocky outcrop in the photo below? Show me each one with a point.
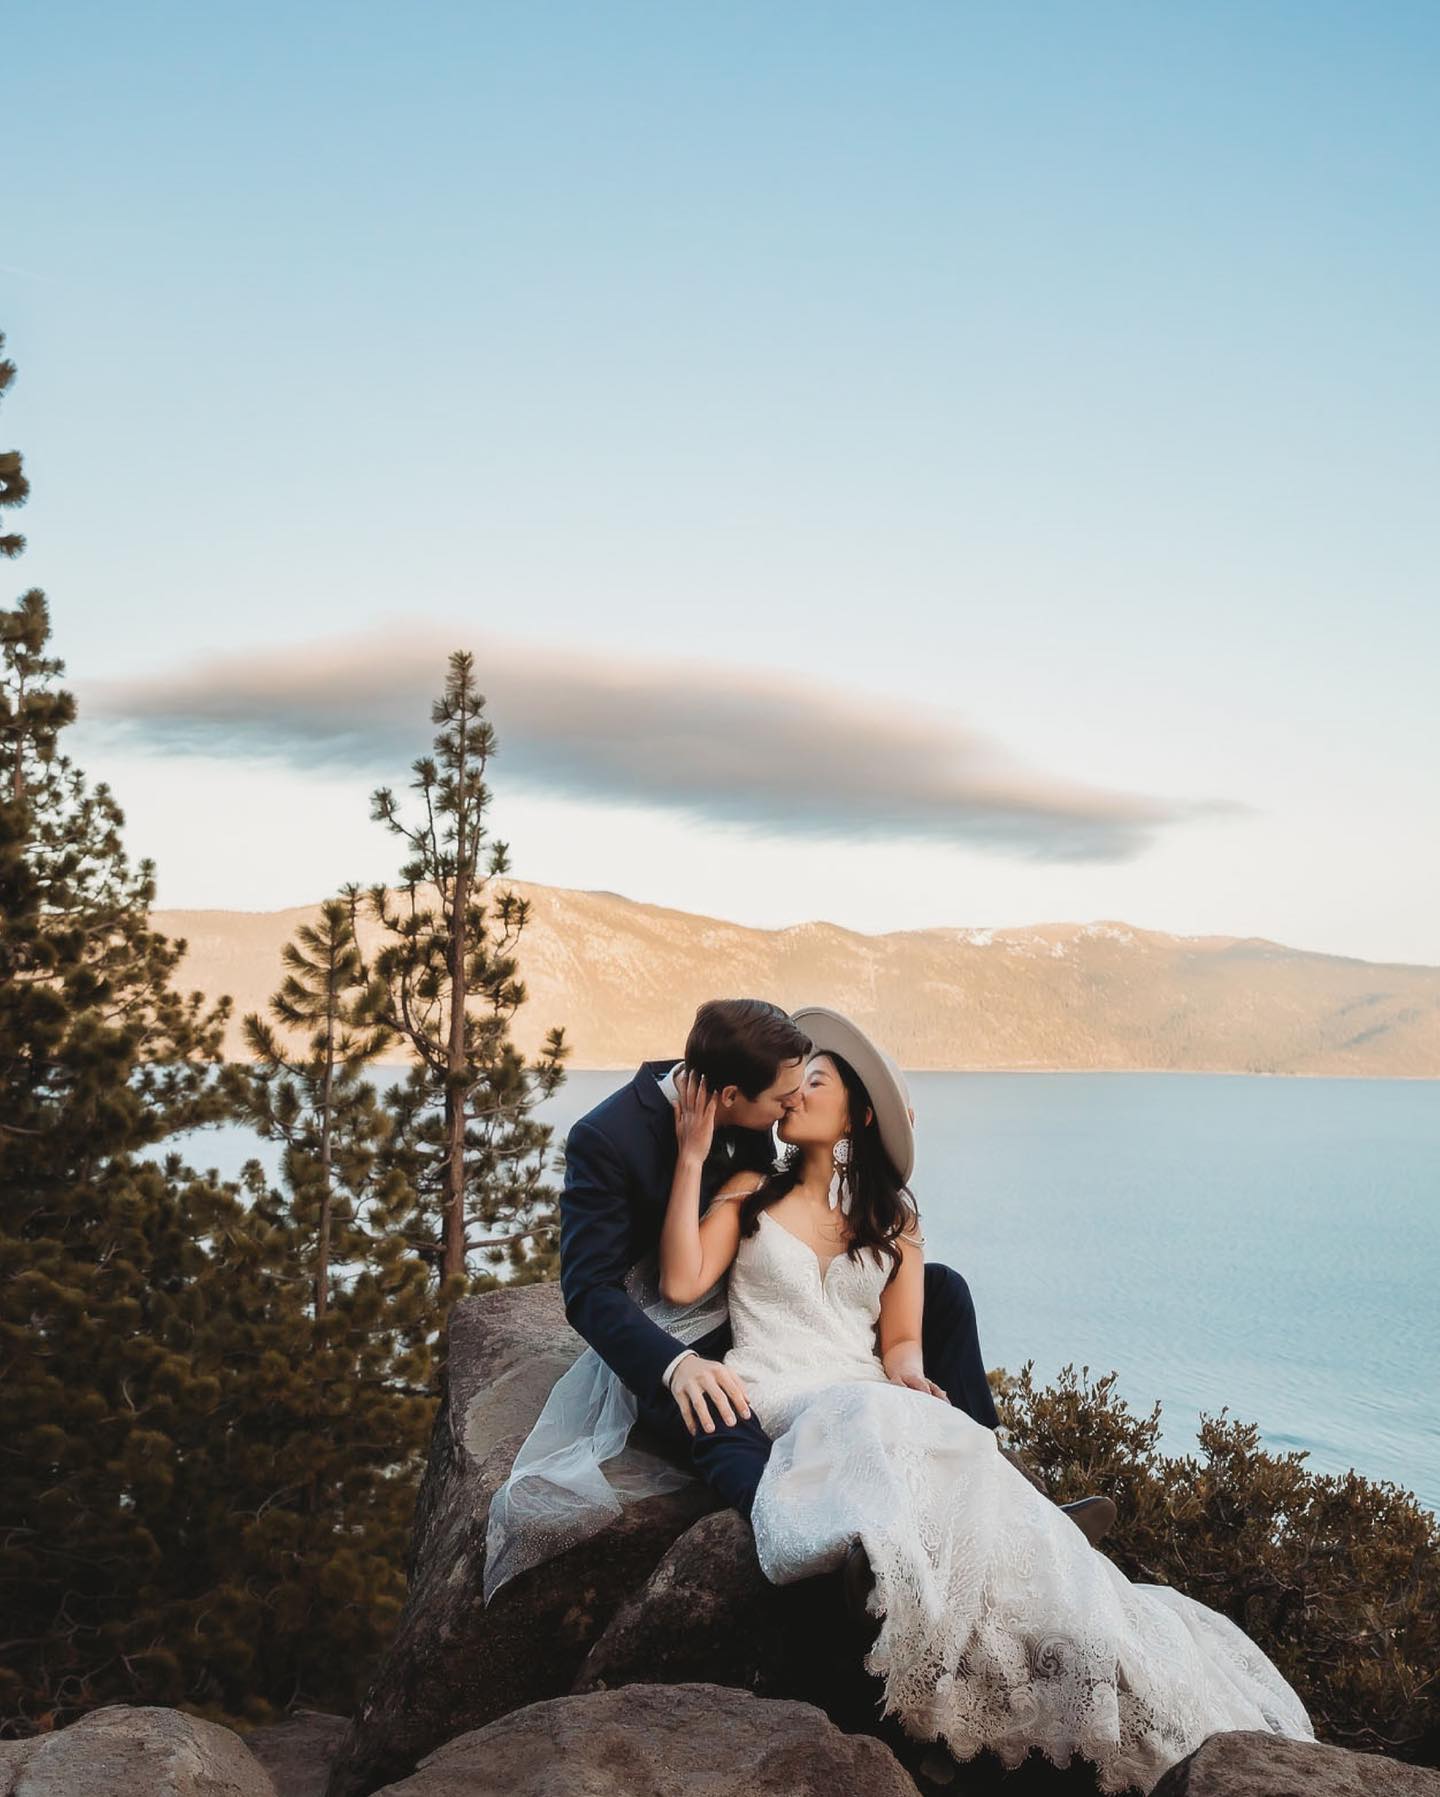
(133, 1751)
(298, 1751)
(707, 1614)
(1243, 1764)
(666, 1613)
(659, 1741)
(452, 1665)
(654, 1659)
(670, 1595)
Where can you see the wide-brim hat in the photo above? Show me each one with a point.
(882, 1079)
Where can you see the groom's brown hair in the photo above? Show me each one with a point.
(742, 1042)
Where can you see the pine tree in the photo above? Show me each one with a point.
(320, 1107)
(334, 1445)
(14, 487)
(464, 1136)
(291, 1530)
(100, 1059)
(325, 1391)
(205, 1492)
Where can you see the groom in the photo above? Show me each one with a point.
(619, 1165)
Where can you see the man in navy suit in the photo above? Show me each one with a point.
(619, 1165)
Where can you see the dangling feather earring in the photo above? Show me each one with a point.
(840, 1193)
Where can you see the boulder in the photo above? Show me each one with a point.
(691, 1740)
(707, 1614)
(128, 1750)
(1247, 1764)
(704, 1616)
(297, 1752)
(452, 1665)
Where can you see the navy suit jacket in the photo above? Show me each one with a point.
(619, 1165)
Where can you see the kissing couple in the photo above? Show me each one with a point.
(773, 1321)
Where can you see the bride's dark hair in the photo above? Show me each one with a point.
(882, 1206)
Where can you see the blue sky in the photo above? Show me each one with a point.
(1051, 389)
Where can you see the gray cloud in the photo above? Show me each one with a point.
(727, 744)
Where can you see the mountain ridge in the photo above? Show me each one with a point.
(624, 978)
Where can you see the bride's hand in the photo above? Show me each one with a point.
(694, 1117)
(916, 1381)
(697, 1384)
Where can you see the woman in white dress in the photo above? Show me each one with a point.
(1001, 1627)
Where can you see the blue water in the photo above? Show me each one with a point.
(1270, 1245)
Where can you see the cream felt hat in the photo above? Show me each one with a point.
(889, 1096)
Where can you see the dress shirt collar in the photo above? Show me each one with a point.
(667, 1084)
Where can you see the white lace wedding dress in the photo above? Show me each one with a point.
(1003, 1628)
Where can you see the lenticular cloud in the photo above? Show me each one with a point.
(716, 743)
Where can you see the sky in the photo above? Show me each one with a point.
(904, 464)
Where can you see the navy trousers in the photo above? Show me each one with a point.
(733, 1458)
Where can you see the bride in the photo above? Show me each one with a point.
(1002, 1628)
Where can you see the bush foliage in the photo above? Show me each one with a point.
(1337, 1577)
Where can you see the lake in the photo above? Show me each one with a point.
(1271, 1245)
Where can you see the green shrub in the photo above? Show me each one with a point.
(1336, 1577)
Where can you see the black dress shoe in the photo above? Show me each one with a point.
(1093, 1516)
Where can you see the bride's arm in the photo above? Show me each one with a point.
(902, 1306)
(695, 1251)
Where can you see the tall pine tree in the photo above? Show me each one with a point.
(14, 487)
(348, 1416)
(471, 1149)
(100, 1059)
(205, 1491)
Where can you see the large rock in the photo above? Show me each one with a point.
(671, 1594)
(1246, 1764)
(659, 1741)
(707, 1614)
(452, 1665)
(298, 1751)
(133, 1751)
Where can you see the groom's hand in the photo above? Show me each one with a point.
(699, 1383)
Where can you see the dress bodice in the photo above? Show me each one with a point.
(796, 1325)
